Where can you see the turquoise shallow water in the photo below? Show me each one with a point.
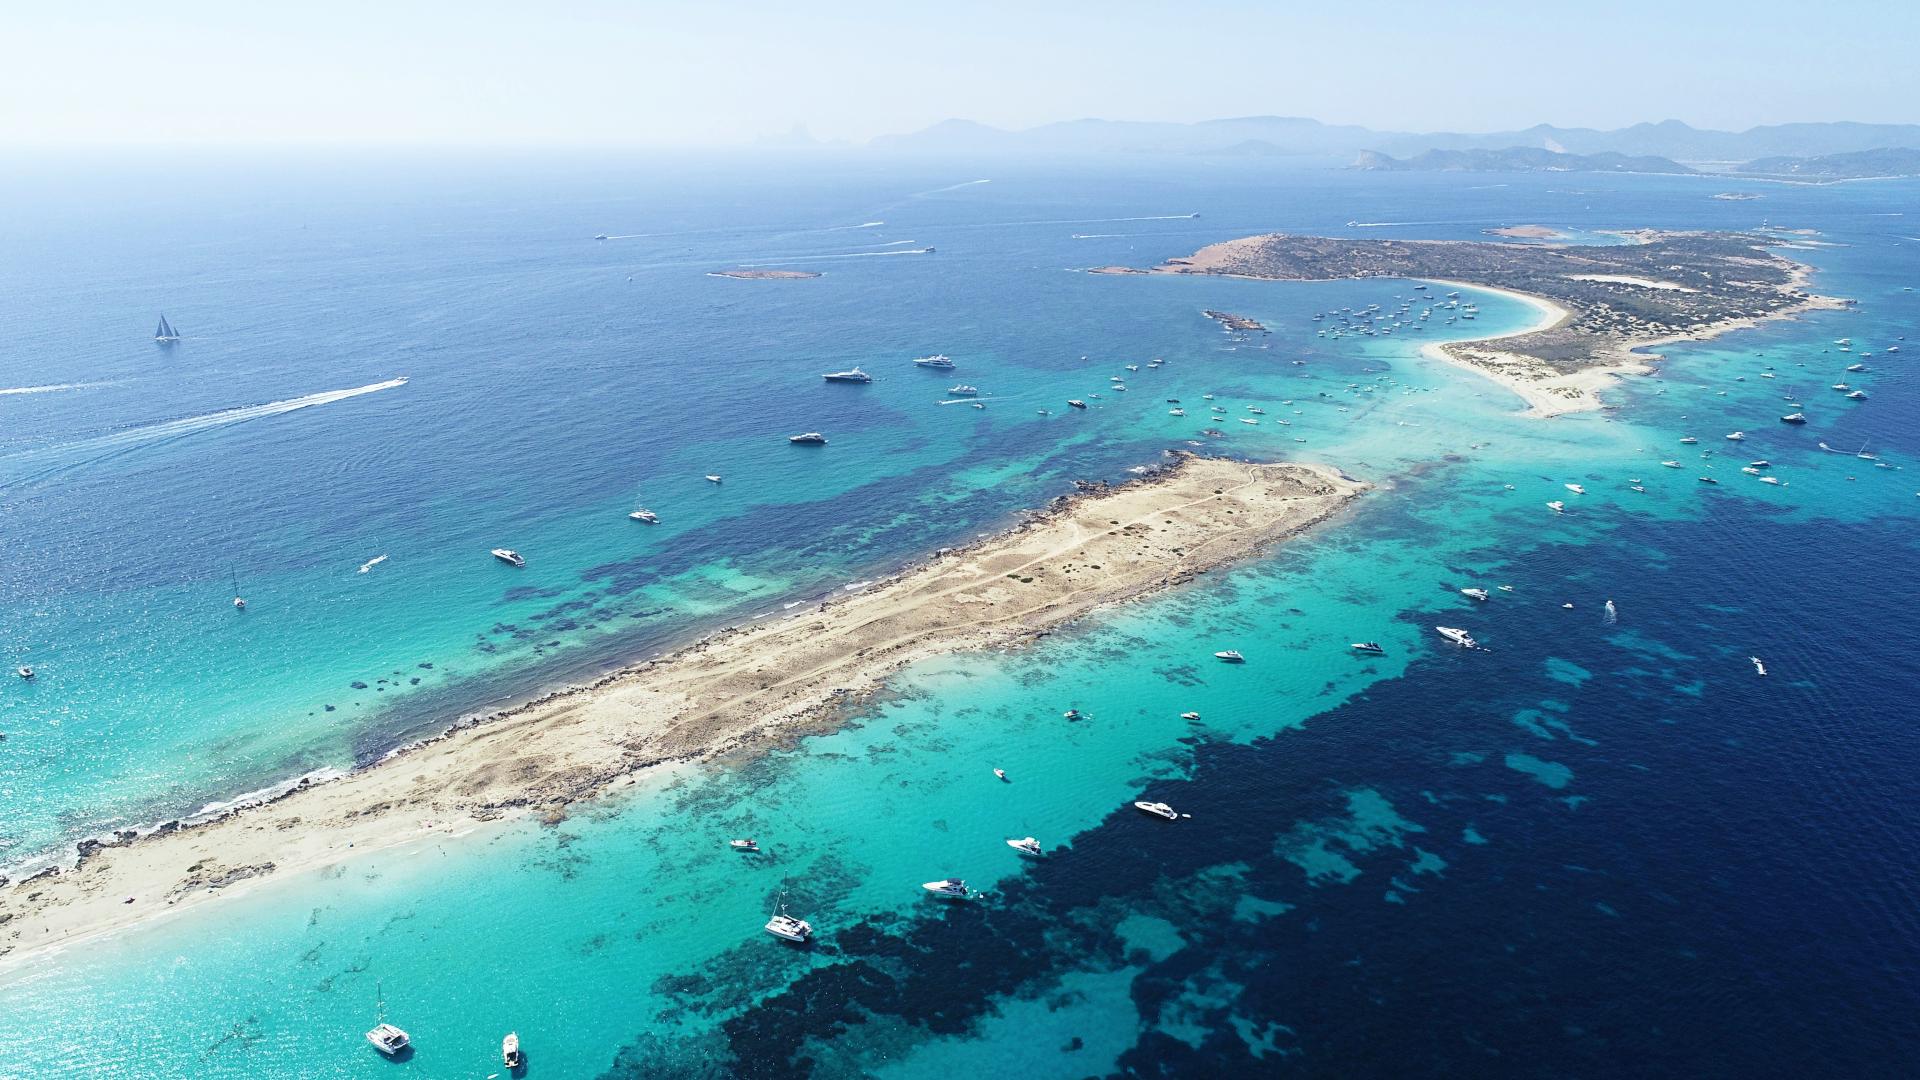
(1619, 797)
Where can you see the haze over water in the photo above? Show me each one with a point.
(1597, 843)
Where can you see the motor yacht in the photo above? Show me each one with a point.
(1026, 845)
(749, 845)
(853, 375)
(509, 556)
(1076, 403)
(939, 361)
(1371, 648)
(1157, 809)
(1474, 594)
(1458, 636)
(811, 438)
(646, 515)
(1231, 656)
(947, 889)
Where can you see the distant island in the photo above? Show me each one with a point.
(1861, 165)
(1599, 304)
(1517, 159)
(765, 275)
(1884, 163)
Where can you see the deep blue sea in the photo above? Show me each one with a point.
(1603, 847)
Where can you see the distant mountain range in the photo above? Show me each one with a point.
(1858, 165)
(1284, 135)
(1517, 159)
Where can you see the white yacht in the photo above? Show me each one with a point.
(1076, 403)
(712, 478)
(1858, 395)
(939, 361)
(1794, 418)
(1474, 594)
(853, 374)
(749, 846)
(947, 889)
(509, 556)
(1458, 637)
(385, 1037)
(646, 515)
(1688, 441)
(1176, 412)
(1026, 845)
(963, 390)
(1758, 667)
(1671, 464)
(1737, 436)
(1189, 716)
(1576, 489)
(1157, 809)
(1557, 506)
(1231, 656)
(510, 1051)
(23, 671)
(788, 928)
(1371, 648)
(811, 438)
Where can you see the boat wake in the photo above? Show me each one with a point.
(1388, 224)
(949, 187)
(841, 255)
(48, 389)
(64, 456)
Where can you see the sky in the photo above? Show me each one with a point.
(723, 72)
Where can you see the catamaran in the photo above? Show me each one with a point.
(165, 334)
(788, 928)
(385, 1037)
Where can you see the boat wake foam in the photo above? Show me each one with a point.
(71, 455)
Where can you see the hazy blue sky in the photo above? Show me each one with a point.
(482, 71)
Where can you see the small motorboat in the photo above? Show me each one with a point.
(1708, 480)
(1176, 412)
(1026, 845)
(1758, 667)
(749, 845)
(1671, 464)
(1074, 714)
(1576, 489)
(1001, 774)
(1189, 716)
(646, 515)
(23, 671)
(509, 556)
(1231, 656)
(947, 888)
(1737, 436)
(712, 479)
(1557, 506)
(510, 1051)
(1157, 809)
(1076, 403)
(1475, 594)
(1689, 441)
(1371, 648)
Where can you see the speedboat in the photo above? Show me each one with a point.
(1000, 774)
(947, 888)
(712, 479)
(388, 1039)
(1372, 648)
(934, 362)
(1248, 420)
(1671, 464)
(599, 236)
(510, 1051)
(1189, 716)
(1458, 636)
(1858, 395)
(1474, 594)
(1576, 489)
(1794, 418)
(509, 556)
(646, 515)
(1737, 436)
(1770, 480)
(1076, 403)
(1688, 441)
(1176, 412)
(788, 928)
(1856, 367)
(1026, 845)
(1231, 656)
(811, 438)
(853, 374)
(1557, 506)
(749, 845)
(1157, 809)
(1074, 714)
(23, 671)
